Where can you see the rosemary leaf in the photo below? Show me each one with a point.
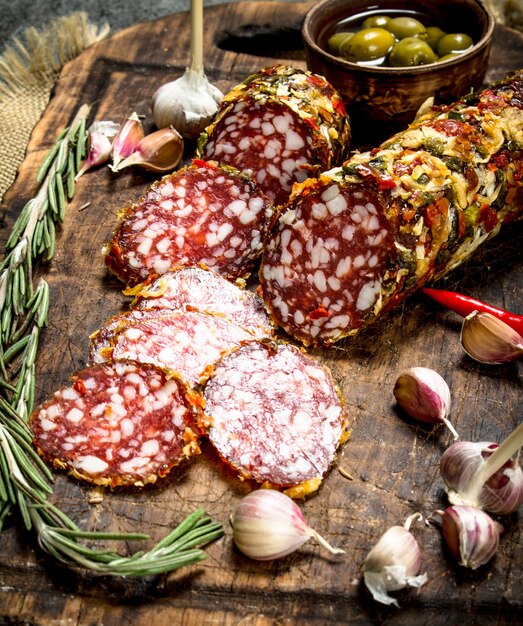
(70, 178)
(51, 195)
(49, 158)
(15, 348)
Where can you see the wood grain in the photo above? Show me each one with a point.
(393, 461)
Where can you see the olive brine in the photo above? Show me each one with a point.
(400, 41)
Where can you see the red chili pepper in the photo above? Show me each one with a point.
(464, 305)
(318, 313)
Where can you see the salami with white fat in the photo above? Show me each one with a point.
(202, 213)
(118, 424)
(275, 415)
(186, 343)
(358, 239)
(198, 289)
(280, 126)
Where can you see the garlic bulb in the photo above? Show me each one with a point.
(100, 137)
(126, 141)
(488, 339)
(484, 475)
(188, 103)
(393, 563)
(160, 152)
(425, 396)
(268, 525)
(472, 537)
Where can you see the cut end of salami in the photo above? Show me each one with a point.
(280, 126)
(118, 424)
(323, 267)
(202, 213)
(275, 415)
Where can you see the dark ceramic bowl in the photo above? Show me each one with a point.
(382, 100)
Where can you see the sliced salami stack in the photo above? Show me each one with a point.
(355, 241)
(280, 126)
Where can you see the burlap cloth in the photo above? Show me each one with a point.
(28, 72)
(29, 69)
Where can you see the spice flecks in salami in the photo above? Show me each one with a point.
(120, 425)
(275, 414)
(200, 214)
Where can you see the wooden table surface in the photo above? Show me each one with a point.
(393, 461)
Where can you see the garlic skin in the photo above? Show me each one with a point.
(501, 493)
(100, 144)
(127, 140)
(425, 396)
(159, 152)
(187, 104)
(269, 525)
(393, 564)
(487, 339)
(471, 535)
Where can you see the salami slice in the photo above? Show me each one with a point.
(275, 415)
(186, 343)
(280, 126)
(100, 342)
(361, 237)
(198, 289)
(118, 424)
(202, 213)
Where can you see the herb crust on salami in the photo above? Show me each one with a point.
(358, 239)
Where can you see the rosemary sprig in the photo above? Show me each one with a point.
(25, 481)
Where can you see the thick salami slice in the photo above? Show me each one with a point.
(202, 213)
(198, 289)
(275, 416)
(280, 126)
(358, 239)
(118, 424)
(186, 343)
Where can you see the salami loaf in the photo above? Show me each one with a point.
(275, 415)
(358, 239)
(202, 213)
(118, 424)
(280, 125)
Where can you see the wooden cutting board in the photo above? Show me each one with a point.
(393, 461)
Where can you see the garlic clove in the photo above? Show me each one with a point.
(470, 534)
(159, 152)
(488, 339)
(393, 564)
(187, 104)
(99, 144)
(425, 396)
(269, 525)
(127, 140)
(500, 493)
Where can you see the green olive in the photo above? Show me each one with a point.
(451, 55)
(434, 34)
(454, 42)
(369, 44)
(336, 41)
(411, 51)
(402, 27)
(375, 21)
